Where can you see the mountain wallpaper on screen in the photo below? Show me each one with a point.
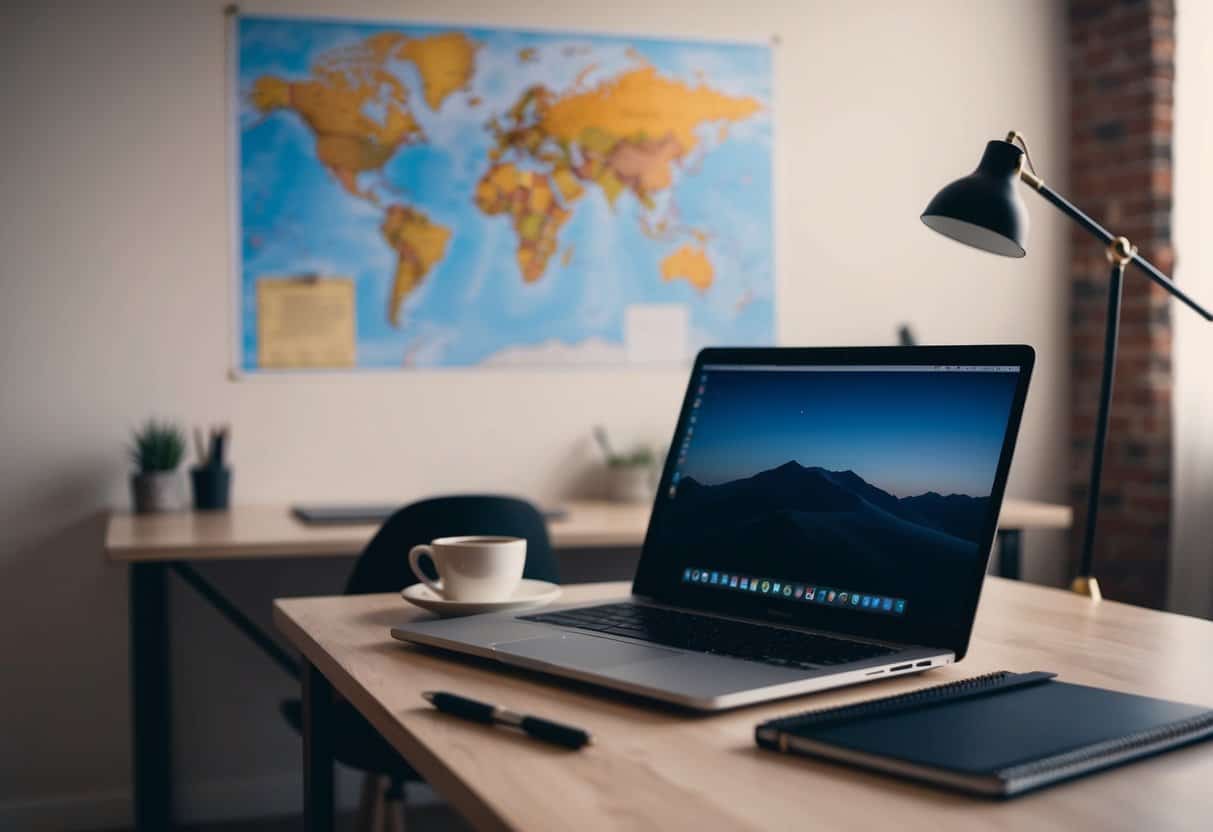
(868, 480)
(840, 529)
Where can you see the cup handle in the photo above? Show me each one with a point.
(415, 555)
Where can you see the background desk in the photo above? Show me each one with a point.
(656, 768)
(271, 531)
(151, 545)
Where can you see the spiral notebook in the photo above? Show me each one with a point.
(997, 735)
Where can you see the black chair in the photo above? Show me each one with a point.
(383, 567)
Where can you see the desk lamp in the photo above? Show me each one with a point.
(984, 210)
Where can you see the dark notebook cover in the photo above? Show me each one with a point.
(997, 735)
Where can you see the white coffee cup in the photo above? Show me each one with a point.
(473, 567)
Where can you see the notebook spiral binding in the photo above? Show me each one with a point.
(1078, 761)
(975, 686)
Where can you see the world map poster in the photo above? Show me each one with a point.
(434, 196)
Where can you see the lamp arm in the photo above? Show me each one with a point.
(1124, 251)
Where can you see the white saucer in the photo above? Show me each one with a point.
(528, 594)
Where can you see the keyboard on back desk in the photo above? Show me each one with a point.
(719, 636)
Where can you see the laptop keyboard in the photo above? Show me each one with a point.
(718, 636)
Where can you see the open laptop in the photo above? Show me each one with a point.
(824, 517)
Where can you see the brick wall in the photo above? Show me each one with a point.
(1121, 80)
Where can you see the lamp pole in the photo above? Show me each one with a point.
(1085, 583)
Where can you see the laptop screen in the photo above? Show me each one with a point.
(854, 494)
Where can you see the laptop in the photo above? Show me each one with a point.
(824, 517)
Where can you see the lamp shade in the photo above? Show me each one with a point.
(984, 209)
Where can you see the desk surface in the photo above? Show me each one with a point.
(660, 769)
(272, 531)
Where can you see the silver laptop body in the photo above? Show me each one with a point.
(794, 548)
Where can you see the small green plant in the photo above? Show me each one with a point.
(638, 457)
(157, 447)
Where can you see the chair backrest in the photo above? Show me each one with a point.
(383, 565)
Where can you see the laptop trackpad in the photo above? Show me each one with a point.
(584, 652)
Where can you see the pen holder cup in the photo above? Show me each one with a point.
(212, 488)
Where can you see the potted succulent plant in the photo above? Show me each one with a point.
(631, 476)
(157, 448)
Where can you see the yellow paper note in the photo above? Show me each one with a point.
(305, 323)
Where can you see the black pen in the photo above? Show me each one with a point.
(540, 729)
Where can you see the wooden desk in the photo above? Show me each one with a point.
(655, 768)
(153, 545)
(271, 531)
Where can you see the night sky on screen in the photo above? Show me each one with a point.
(905, 432)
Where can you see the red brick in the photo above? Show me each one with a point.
(1122, 115)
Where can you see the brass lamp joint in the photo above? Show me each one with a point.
(1088, 586)
(1031, 179)
(1121, 251)
(1027, 174)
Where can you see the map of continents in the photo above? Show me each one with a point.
(508, 197)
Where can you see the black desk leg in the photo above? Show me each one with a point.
(151, 713)
(1010, 542)
(317, 751)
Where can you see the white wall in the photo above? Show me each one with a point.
(114, 299)
(1192, 529)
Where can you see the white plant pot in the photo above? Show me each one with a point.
(156, 492)
(631, 483)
